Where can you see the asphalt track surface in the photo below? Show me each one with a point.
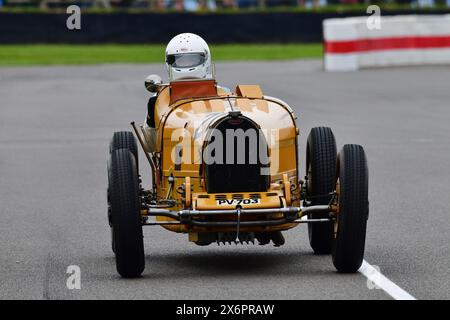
(55, 126)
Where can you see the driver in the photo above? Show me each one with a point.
(187, 57)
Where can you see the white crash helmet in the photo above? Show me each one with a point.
(188, 56)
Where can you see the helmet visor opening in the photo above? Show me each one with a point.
(186, 60)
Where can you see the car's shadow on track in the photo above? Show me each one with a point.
(214, 263)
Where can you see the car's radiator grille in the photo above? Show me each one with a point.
(237, 175)
(238, 196)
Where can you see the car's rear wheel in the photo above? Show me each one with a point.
(108, 196)
(350, 228)
(321, 177)
(124, 140)
(121, 140)
(125, 214)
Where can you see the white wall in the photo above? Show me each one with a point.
(401, 40)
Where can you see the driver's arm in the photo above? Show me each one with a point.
(151, 111)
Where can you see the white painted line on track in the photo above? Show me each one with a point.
(375, 276)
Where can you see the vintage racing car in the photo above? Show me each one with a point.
(225, 168)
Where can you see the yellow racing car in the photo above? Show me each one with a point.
(225, 169)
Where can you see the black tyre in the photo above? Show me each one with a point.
(125, 214)
(108, 196)
(125, 140)
(350, 237)
(321, 174)
(122, 140)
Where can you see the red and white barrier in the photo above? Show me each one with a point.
(349, 44)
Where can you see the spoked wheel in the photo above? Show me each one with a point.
(125, 216)
(350, 227)
(321, 175)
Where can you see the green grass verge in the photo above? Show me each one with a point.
(43, 54)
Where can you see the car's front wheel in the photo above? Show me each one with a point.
(126, 220)
(321, 175)
(350, 226)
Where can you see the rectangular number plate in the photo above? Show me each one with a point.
(230, 202)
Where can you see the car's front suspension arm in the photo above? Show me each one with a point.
(290, 215)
